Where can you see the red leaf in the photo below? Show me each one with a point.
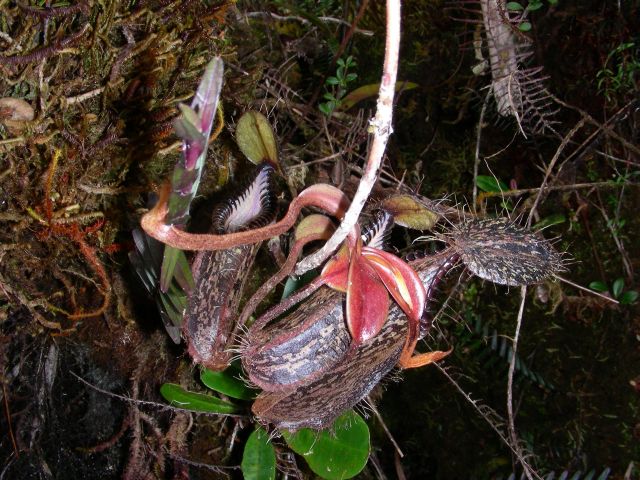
(401, 280)
(367, 300)
(335, 272)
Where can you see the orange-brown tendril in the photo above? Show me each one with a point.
(323, 196)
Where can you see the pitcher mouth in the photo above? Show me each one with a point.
(253, 207)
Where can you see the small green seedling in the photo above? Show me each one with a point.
(532, 6)
(494, 187)
(619, 72)
(617, 291)
(337, 86)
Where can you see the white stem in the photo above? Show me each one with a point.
(381, 127)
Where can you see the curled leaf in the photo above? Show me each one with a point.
(403, 283)
(408, 211)
(14, 113)
(322, 195)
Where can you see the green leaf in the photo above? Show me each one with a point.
(256, 139)
(198, 402)
(525, 26)
(555, 219)
(259, 457)
(534, 5)
(488, 183)
(169, 261)
(627, 298)
(514, 6)
(332, 81)
(294, 283)
(227, 383)
(598, 286)
(324, 108)
(618, 286)
(339, 453)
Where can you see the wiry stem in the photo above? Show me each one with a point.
(486, 413)
(549, 169)
(270, 284)
(512, 368)
(381, 125)
(287, 303)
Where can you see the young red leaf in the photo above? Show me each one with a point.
(400, 279)
(367, 300)
(336, 272)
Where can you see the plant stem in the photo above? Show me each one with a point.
(513, 436)
(272, 282)
(323, 196)
(381, 126)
